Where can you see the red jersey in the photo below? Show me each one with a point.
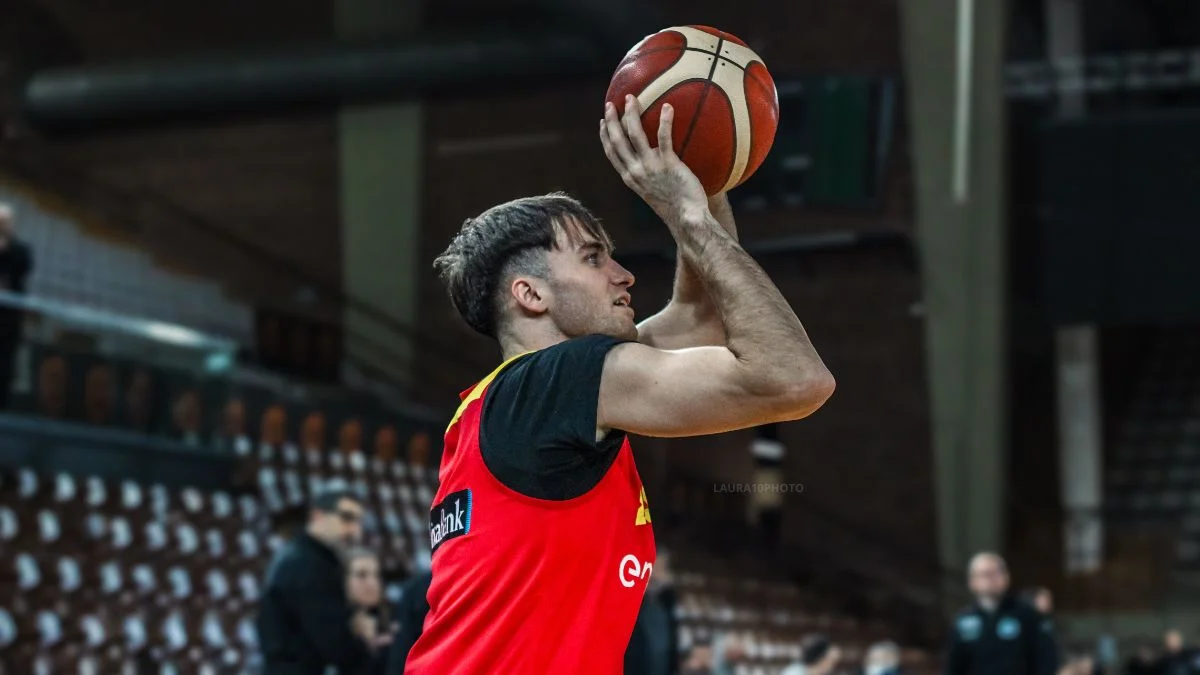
(541, 535)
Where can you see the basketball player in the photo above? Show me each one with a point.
(541, 533)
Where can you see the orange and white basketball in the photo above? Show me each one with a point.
(726, 106)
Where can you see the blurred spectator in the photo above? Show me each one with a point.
(818, 656)
(231, 437)
(187, 417)
(1040, 598)
(350, 436)
(16, 261)
(700, 659)
(305, 622)
(98, 395)
(52, 387)
(653, 647)
(274, 426)
(138, 400)
(1143, 662)
(386, 443)
(364, 588)
(418, 450)
(1175, 660)
(312, 431)
(730, 653)
(998, 634)
(883, 658)
(410, 617)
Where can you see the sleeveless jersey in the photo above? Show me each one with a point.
(523, 585)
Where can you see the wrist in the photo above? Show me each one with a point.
(689, 216)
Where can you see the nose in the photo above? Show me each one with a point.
(621, 276)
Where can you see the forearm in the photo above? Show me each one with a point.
(760, 327)
(690, 318)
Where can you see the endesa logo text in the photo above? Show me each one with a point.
(633, 569)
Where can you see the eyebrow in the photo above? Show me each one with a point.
(594, 247)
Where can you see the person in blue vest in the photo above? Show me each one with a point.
(999, 634)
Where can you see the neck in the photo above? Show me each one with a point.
(528, 338)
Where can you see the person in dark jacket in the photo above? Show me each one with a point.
(654, 645)
(305, 623)
(999, 634)
(1176, 659)
(16, 262)
(409, 618)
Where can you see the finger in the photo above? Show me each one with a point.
(609, 151)
(616, 135)
(632, 122)
(666, 121)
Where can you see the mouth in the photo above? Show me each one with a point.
(623, 301)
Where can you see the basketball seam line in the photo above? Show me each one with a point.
(700, 104)
(728, 60)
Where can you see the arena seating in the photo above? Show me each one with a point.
(1153, 477)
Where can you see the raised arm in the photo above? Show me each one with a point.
(767, 370)
(690, 318)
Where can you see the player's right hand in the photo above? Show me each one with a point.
(656, 174)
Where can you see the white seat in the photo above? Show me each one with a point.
(97, 493)
(248, 585)
(188, 541)
(214, 634)
(216, 543)
(218, 586)
(10, 525)
(29, 575)
(110, 577)
(193, 500)
(93, 630)
(160, 500)
(49, 627)
(64, 487)
(131, 495)
(181, 582)
(248, 543)
(49, 529)
(134, 629)
(70, 578)
(8, 629)
(174, 631)
(249, 508)
(156, 535)
(27, 484)
(222, 505)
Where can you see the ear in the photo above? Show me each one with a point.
(531, 294)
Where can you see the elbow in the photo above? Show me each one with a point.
(803, 394)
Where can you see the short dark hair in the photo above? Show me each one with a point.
(327, 500)
(814, 648)
(504, 241)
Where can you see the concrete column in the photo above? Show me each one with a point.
(953, 54)
(381, 153)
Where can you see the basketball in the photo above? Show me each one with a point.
(726, 106)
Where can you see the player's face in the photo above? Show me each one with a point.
(590, 290)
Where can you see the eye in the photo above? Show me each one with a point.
(593, 258)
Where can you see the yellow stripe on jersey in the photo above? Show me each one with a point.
(479, 388)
